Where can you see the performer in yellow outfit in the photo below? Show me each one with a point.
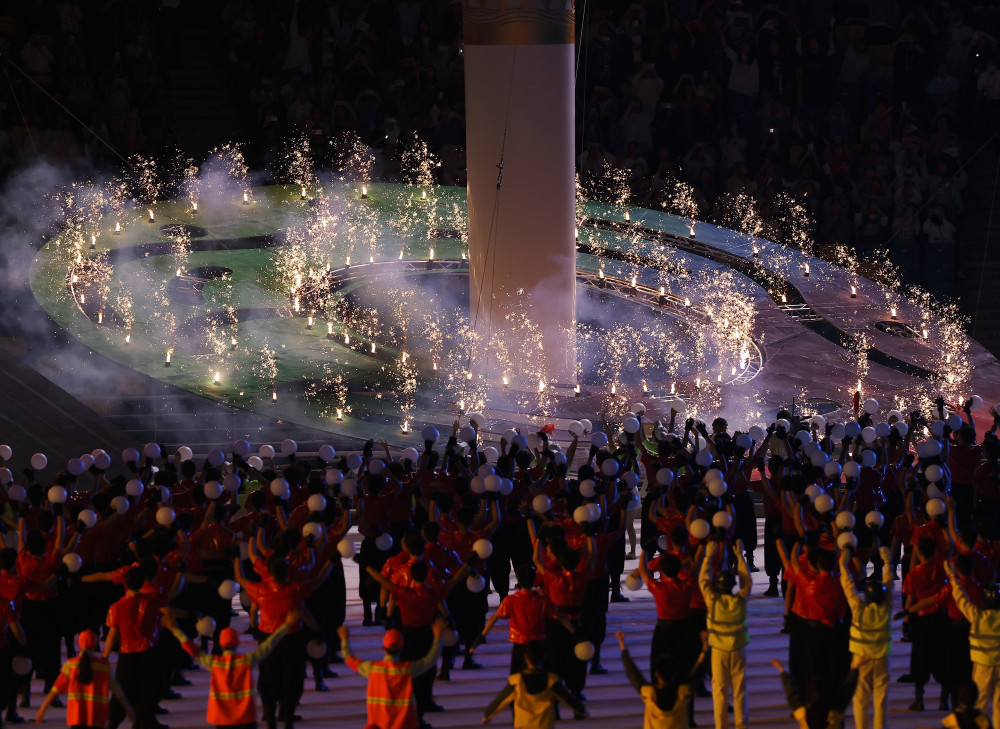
(533, 693)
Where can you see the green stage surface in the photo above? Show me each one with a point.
(137, 288)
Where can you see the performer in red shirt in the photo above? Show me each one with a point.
(38, 561)
(565, 577)
(929, 625)
(818, 641)
(672, 592)
(134, 628)
(420, 601)
(469, 608)
(281, 676)
(958, 665)
(963, 456)
(527, 611)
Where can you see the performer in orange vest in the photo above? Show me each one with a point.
(231, 688)
(391, 704)
(87, 680)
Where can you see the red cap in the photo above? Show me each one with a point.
(548, 429)
(87, 640)
(229, 638)
(393, 640)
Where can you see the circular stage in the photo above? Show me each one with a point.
(346, 310)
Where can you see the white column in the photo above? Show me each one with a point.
(519, 107)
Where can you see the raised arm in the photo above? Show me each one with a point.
(644, 568)
(704, 574)
(536, 555)
(847, 584)
(742, 570)
(502, 699)
(632, 671)
(965, 605)
(790, 564)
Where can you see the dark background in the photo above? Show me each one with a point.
(879, 116)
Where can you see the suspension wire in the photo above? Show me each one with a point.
(61, 106)
(128, 164)
(17, 102)
(576, 78)
(494, 220)
(930, 198)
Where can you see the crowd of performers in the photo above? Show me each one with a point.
(147, 562)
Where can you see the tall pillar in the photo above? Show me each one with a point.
(519, 108)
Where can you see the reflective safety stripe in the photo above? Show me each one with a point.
(984, 638)
(91, 698)
(231, 691)
(232, 694)
(390, 670)
(87, 703)
(878, 634)
(870, 632)
(386, 701)
(726, 624)
(982, 642)
(390, 695)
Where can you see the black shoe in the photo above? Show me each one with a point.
(444, 674)
(159, 710)
(917, 705)
(180, 681)
(367, 621)
(754, 568)
(618, 597)
(321, 687)
(905, 678)
(580, 697)
(433, 707)
(703, 692)
(171, 694)
(14, 718)
(25, 702)
(598, 670)
(470, 665)
(57, 703)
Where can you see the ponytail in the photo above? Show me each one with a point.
(85, 668)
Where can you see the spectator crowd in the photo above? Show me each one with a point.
(863, 111)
